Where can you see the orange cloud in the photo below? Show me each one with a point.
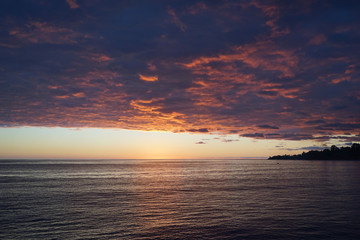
(239, 70)
(148, 78)
(263, 54)
(79, 94)
(101, 58)
(53, 87)
(62, 97)
(221, 75)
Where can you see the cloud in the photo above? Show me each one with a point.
(246, 68)
(200, 130)
(101, 58)
(318, 39)
(197, 8)
(43, 32)
(177, 21)
(252, 135)
(148, 78)
(268, 126)
(272, 12)
(265, 55)
(229, 140)
(339, 126)
(317, 148)
(72, 3)
(200, 142)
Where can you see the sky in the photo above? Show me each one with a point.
(177, 79)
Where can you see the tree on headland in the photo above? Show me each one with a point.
(334, 153)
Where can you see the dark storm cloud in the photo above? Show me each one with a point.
(261, 69)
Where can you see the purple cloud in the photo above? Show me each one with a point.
(224, 67)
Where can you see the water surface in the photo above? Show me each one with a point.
(179, 199)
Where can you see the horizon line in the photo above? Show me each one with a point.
(214, 158)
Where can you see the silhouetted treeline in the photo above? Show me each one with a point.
(334, 153)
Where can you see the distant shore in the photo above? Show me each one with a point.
(334, 153)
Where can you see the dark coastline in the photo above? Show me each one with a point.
(334, 153)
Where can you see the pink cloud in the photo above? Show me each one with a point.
(72, 3)
(273, 13)
(265, 55)
(318, 39)
(42, 32)
(197, 8)
(177, 21)
(222, 73)
(101, 58)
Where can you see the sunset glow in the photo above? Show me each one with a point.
(153, 79)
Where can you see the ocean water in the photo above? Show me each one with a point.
(179, 199)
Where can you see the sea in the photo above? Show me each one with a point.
(179, 199)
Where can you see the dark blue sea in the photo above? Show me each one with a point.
(179, 199)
